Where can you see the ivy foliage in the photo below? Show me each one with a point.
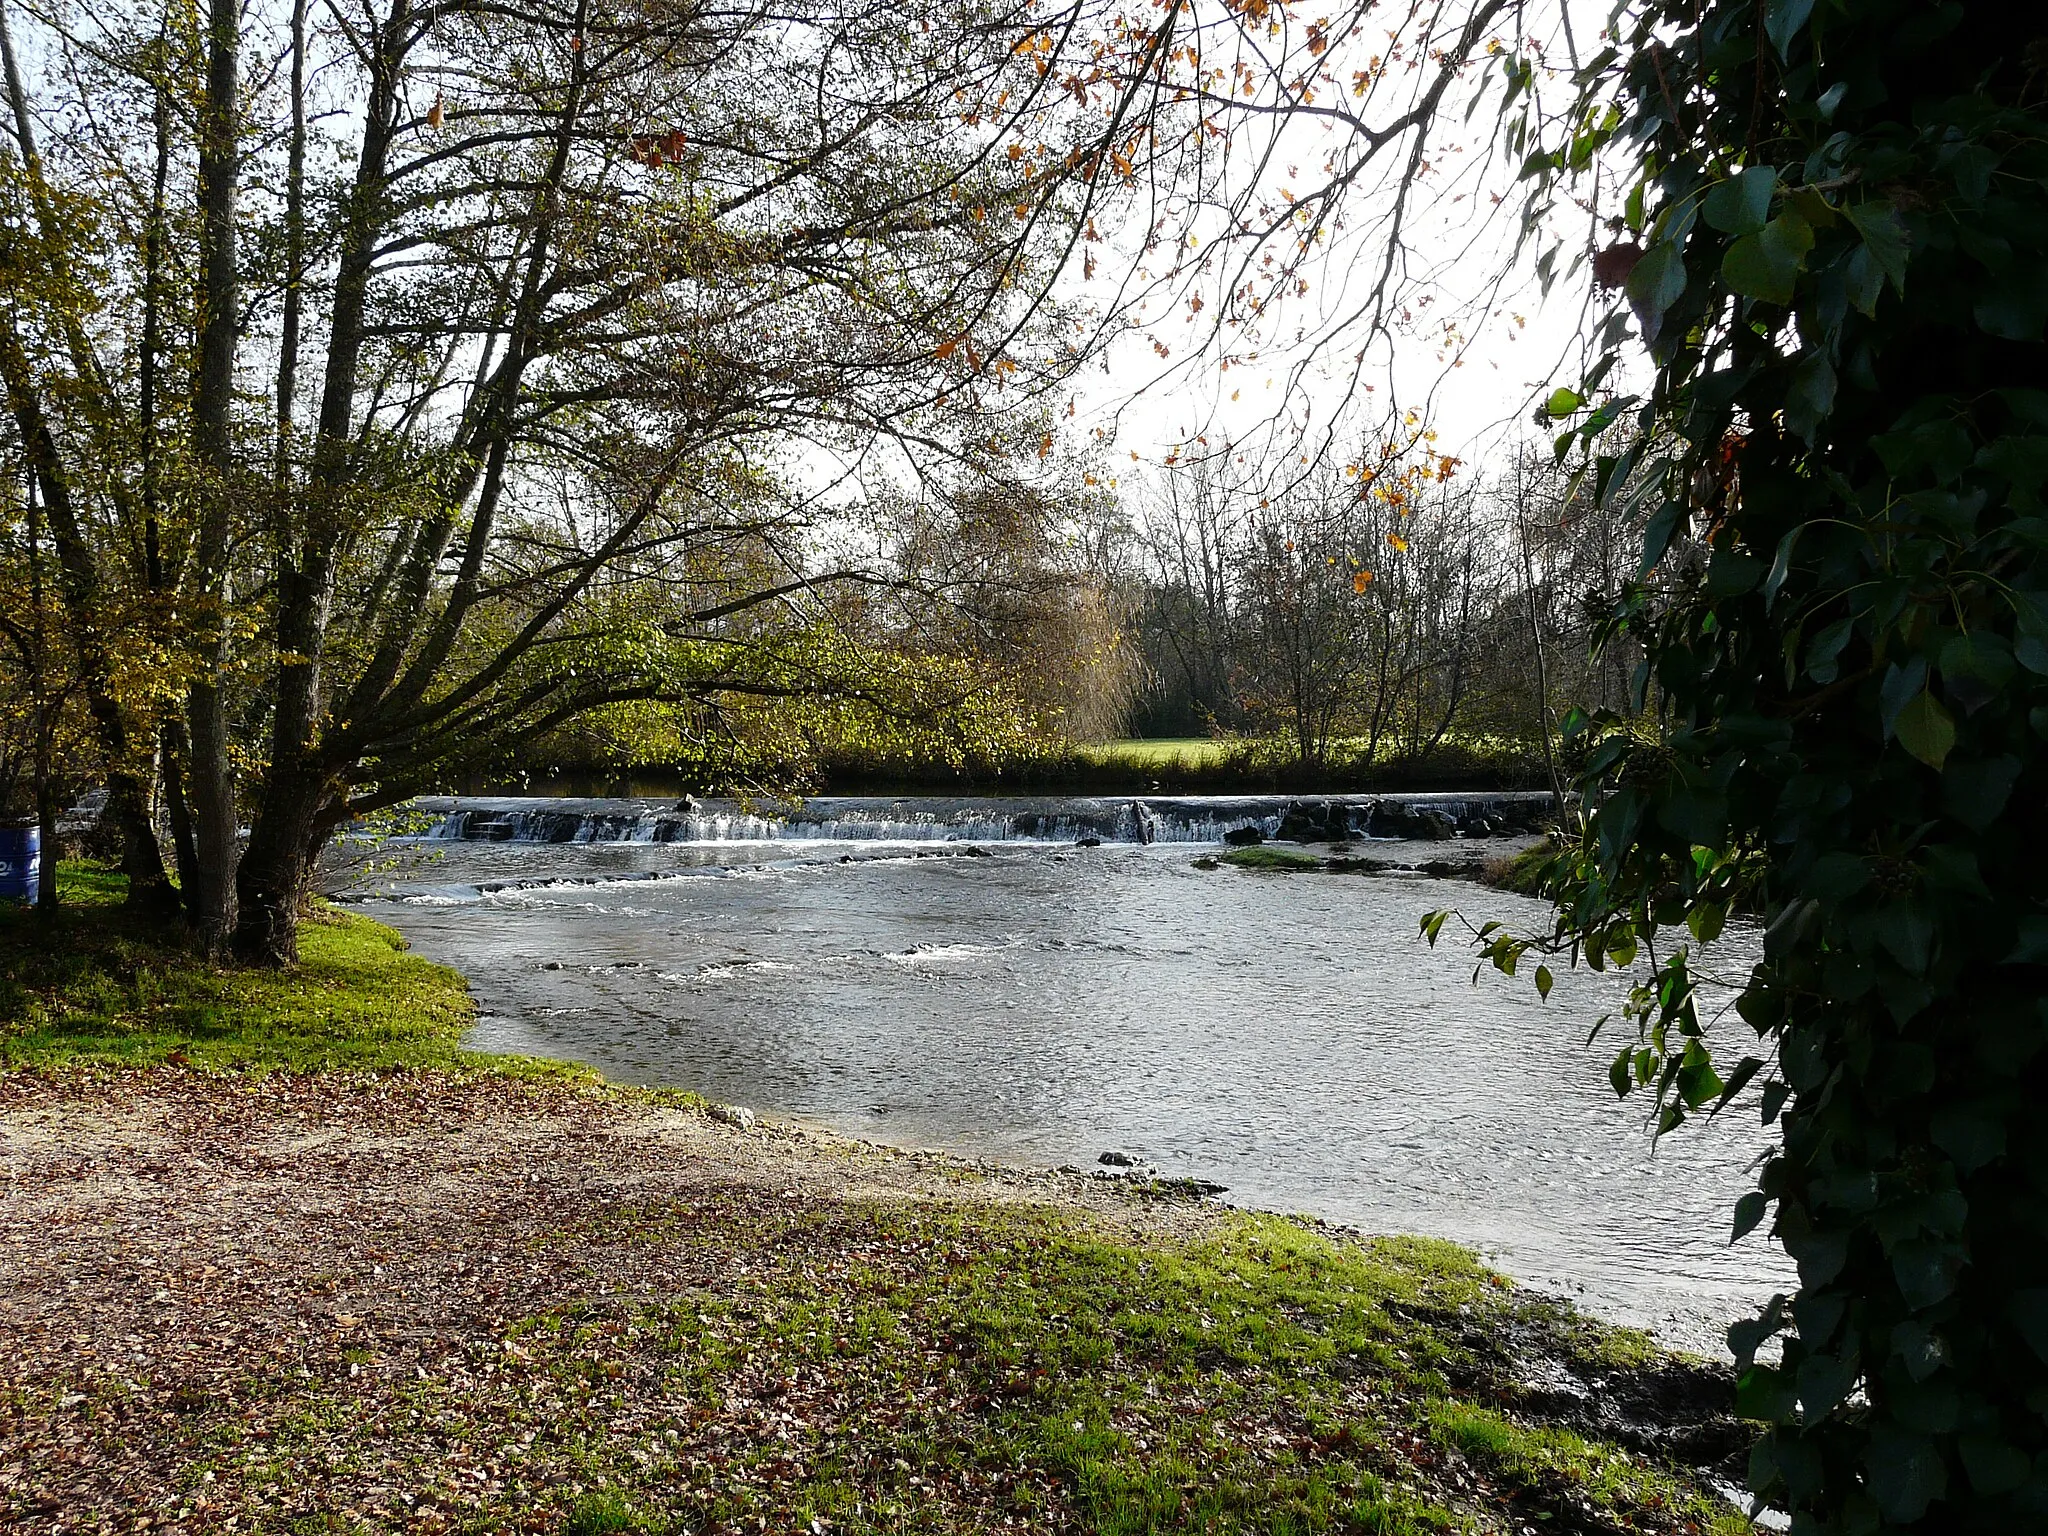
(1836, 252)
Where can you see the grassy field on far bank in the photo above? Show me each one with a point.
(377, 1286)
(1162, 752)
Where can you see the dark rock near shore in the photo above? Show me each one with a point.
(1423, 823)
(1244, 837)
(1117, 1160)
(1199, 1189)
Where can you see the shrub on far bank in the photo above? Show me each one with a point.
(1178, 765)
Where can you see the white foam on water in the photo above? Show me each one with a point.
(944, 954)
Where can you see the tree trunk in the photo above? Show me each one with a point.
(294, 250)
(1536, 639)
(275, 875)
(183, 849)
(46, 710)
(46, 825)
(215, 825)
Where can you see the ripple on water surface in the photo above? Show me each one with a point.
(1288, 1036)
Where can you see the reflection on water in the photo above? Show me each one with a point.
(1287, 1036)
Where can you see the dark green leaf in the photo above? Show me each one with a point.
(2014, 306)
(1884, 236)
(1763, 1393)
(1773, 1100)
(1925, 729)
(1767, 264)
(1745, 1069)
(1907, 933)
(1783, 21)
(1971, 1134)
(1926, 1269)
(1781, 565)
(2028, 1310)
(1824, 1380)
(1919, 1348)
(1975, 791)
(1863, 280)
(1749, 1334)
(1741, 204)
(1749, 1210)
(1731, 573)
(1823, 652)
(1905, 1473)
(1993, 1466)
(1810, 396)
(1654, 285)
(1657, 535)
(1838, 876)
(2032, 948)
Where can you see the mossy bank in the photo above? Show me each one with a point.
(303, 1272)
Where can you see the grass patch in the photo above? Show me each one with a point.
(1287, 860)
(887, 1368)
(1523, 872)
(600, 1514)
(1561, 1466)
(93, 984)
(1164, 752)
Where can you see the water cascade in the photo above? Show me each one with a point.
(1066, 819)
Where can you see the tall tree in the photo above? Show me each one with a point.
(580, 288)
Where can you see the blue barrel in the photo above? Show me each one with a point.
(21, 861)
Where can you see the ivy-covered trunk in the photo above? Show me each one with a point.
(1836, 250)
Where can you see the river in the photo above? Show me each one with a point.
(961, 975)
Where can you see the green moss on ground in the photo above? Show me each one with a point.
(877, 1367)
(95, 985)
(1522, 873)
(1284, 860)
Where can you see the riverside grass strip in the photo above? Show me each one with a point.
(93, 985)
(268, 1299)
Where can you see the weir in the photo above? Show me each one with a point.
(1047, 819)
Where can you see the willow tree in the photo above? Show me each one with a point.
(1832, 238)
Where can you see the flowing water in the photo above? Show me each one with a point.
(961, 975)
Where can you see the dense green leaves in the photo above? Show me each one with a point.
(1842, 626)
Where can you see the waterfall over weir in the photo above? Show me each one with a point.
(1063, 819)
